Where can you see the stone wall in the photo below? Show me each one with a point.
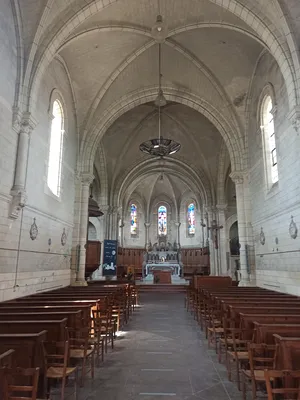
(27, 265)
(277, 261)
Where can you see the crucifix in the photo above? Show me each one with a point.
(215, 228)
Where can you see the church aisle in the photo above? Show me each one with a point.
(162, 354)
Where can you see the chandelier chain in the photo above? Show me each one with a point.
(159, 88)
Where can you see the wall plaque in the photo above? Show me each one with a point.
(33, 230)
(262, 237)
(63, 239)
(293, 230)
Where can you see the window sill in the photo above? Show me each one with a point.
(49, 193)
(273, 190)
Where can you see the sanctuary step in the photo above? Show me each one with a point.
(161, 288)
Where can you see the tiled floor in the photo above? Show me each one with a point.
(163, 354)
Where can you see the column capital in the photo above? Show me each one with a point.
(238, 177)
(26, 123)
(177, 223)
(120, 210)
(105, 208)
(18, 201)
(221, 207)
(147, 224)
(208, 209)
(294, 117)
(86, 178)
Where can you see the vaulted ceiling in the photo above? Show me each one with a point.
(210, 55)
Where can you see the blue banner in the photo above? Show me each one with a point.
(110, 258)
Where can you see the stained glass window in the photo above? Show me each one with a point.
(191, 219)
(162, 221)
(133, 217)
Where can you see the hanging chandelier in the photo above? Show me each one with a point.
(160, 146)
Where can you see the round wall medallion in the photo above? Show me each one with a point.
(293, 230)
(262, 237)
(63, 238)
(33, 230)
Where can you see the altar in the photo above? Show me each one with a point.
(163, 266)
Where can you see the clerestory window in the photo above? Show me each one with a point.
(56, 149)
(268, 130)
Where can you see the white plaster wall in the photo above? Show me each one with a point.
(8, 80)
(277, 266)
(26, 265)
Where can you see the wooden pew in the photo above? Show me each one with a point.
(56, 330)
(247, 321)
(235, 310)
(288, 353)
(86, 310)
(6, 358)
(28, 348)
(73, 317)
(263, 333)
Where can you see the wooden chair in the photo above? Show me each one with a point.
(95, 337)
(261, 357)
(16, 385)
(215, 331)
(286, 383)
(57, 366)
(106, 324)
(82, 350)
(237, 352)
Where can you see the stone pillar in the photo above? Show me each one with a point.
(86, 180)
(147, 242)
(238, 179)
(19, 197)
(121, 227)
(114, 224)
(106, 209)
(212, 255)
(222, 240)
(177, 224)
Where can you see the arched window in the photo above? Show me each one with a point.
(56, 148)
(133, 219)
(162, 221)
(191, 219)
(267, 121)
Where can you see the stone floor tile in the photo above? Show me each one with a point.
(162, 355)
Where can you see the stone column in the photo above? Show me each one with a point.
(212, 258)
(24, 126)
(222, 240)
(238, 179)
(177, 224)
(147, 242)
(86, 180)
(114, 224)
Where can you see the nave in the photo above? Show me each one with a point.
(162, 354)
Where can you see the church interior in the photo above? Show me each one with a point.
(148, 189)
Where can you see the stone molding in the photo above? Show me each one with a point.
(221, 207)
(86, 178)
(294, 117)
(238, 177)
